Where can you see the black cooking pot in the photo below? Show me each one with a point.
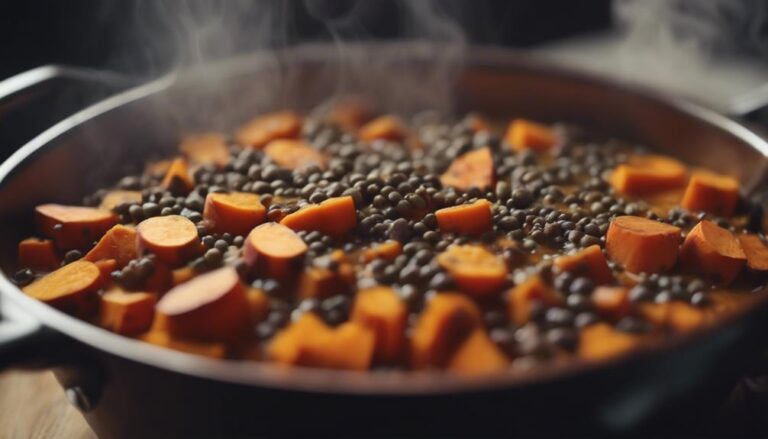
(127, 388)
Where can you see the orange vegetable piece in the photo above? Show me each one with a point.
(172, 238)
(321, 283)
(274, 250)
(477, 355)
(177, 179)
(383, 128)
(525, 134)
(612, 302)
(258, 304)
(260, 131)
(381, 310)
(647, 174)
(676, 316)
(115, 198)
(521, 297)
(471, 169)
(166, 340)
(71, 288)
(106, 267)
(388, 250)
(206, 148)
(600, 341)
(210, 307)
(474, 269)
(476, 123)
(294, 154)
(446, 321)
(466, 219)
(119, 243)
(351, 113)
(310, 342)
(335, 217)
(162, 278)
(73, 227)
(756, 252)
(127, 313)
(588, 262)
(712, 252)
(712, 193)
(234, 212)
(38, 254)
(642, 245)
(181, 275)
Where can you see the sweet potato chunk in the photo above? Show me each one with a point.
(648, 174)
(350, 113)
(126, 313)
(294, 154)
(38, 254)
(477, 355)
(172, 238)
(320, 283)
(675, 316)
(588, 262)
(712, 193)
(472, 169)
(475, 270)
(388, 250)
(525, 134)
(335, 217)
(235, 212)
(612, 302)
(467, 219)
(310, 342)
(447, 320)
(211, 307)
(273, 250)
(601, 341)
(117, 197)
(106, 267)
(72, 288)
(73, 227)
(206, 148)
(258, 304)
(166, 340)
(520, 298)
(119, 243)
(177, 179)
(381, 310)
(260, 131)
(642, 245)
(713, 252)
(383, 128)
(756, 252)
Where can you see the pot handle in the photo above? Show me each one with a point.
(36, 99)
(24, 341)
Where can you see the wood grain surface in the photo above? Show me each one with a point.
(33, 405)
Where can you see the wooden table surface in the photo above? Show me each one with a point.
(33, 405)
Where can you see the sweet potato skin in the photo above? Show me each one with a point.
(265, 259)
(713, 252)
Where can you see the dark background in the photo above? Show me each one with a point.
(133, 36)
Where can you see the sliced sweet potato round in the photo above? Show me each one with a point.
(274, 250)
(73, 227)
(472, 169)
(210, 307)
(475, 270)
(234, 212)
(72, 288)
(294, 154)
(260, 131)
(713, 252)
(642, 245)
(206, 148)
(172, 238)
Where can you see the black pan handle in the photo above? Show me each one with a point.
(30, 102)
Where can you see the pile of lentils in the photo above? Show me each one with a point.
(547, 204)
